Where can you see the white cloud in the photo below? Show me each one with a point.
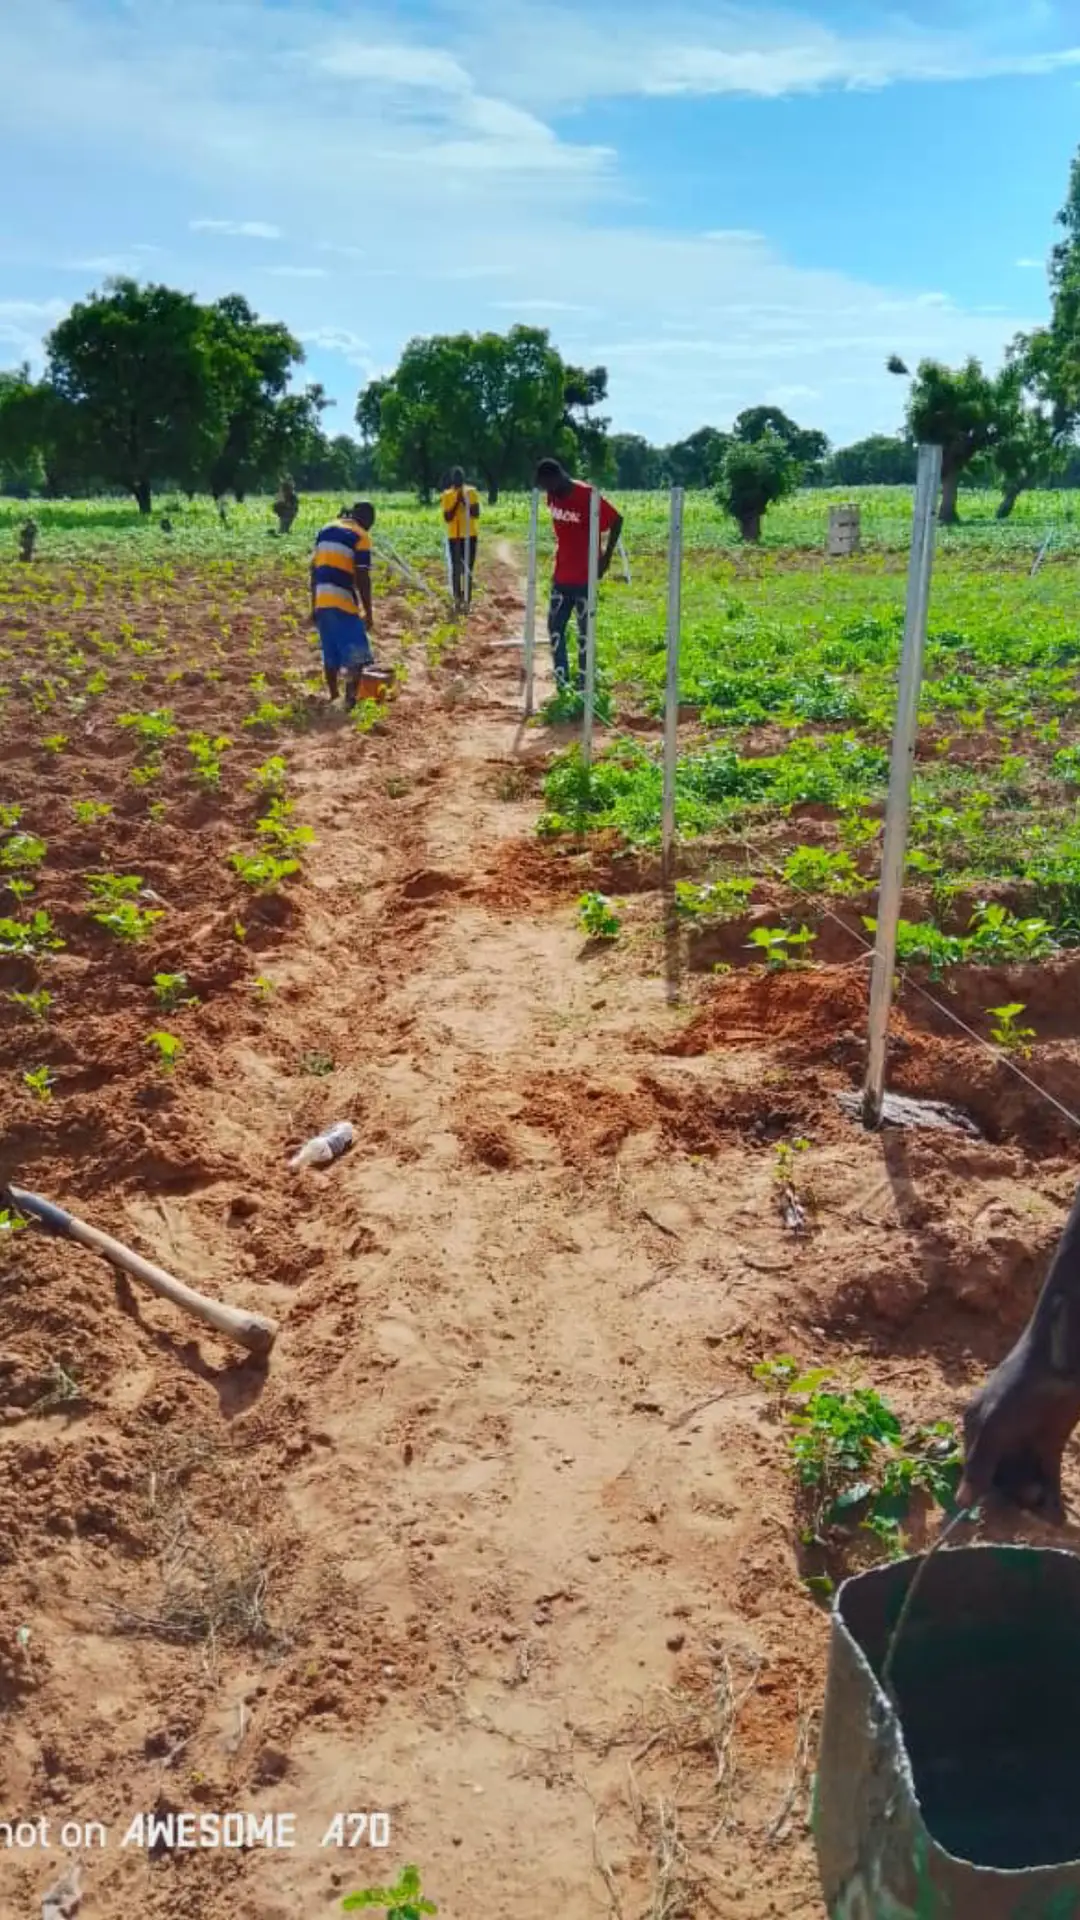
(424, 68)
(1033, 266)
(766, 53)
(238, 229)
(298, 273)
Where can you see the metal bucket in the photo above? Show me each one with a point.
(967, 1806)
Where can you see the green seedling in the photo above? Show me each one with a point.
(34, 936)
(403, 1902)
(21, 888)
(713, 899)
(11, 1221)
(267, 714)
(168, 1049)
(170, 990)
(151, 729)
(271, 776)
(597, 918)
(55, 742)
(36, 1004)
(128, 923)
(9, 817)
(263, 988)
(263, 872)
(1009, 1036)
(775, 943)
(40, 1083)
(206, 753)
(88, 812)
(853, 1460)
(21, 851)
(814, 870)
(367, 714)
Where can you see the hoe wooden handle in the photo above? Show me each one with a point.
(249, 1330)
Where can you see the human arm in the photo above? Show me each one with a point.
(611, 523)
(1016, 1429)
(363, 583)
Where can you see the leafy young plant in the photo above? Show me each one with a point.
(403, 1902)
(40, 1082)
(34, 936)
(263, 872)
(1009, 1036)
(815, 870)
(168, 1049)
(151, 729)
(170, 990)
(36, 1004)
(9, 817)
(853, 1458)
(597, 918)
(22, 850)
(88, 812)
(774, 944)
(206, 753)
(712, 899)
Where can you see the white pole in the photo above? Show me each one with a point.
(671, 697)
(449, 565)
(1042, 553)
(383, 547)
(530, 603)
(590, 628)
(625, 561)
(920, 567)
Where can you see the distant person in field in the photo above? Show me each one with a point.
(28, 534)
(461, 517)
(569, 501)
(286, 506)
(341, 597)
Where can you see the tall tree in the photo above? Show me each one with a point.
(637, 464)
(138, 364)
(493, 402)
(753, 476)
(805, 444)
(879, 461)
(252, 361)
(1029, 454)
(695, 461)
(965, 412)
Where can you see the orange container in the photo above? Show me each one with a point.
(374, 684)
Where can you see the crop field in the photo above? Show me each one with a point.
(613, 1344)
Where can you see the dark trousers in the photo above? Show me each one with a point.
(564, 602)
(457, 556)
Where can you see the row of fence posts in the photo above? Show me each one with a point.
(905, 731)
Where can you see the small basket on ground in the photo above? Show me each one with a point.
(374, 683)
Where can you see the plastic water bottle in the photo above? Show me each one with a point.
(324, 1147)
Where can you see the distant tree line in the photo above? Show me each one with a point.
(145, 387)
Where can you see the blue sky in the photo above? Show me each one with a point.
(723, 204)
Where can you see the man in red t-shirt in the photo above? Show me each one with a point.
(569, 501)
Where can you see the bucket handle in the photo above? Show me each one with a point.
(966, 1513)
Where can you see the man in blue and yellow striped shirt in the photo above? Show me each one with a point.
(341, 597)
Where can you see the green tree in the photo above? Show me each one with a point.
(585, 389)
(965, 412)
(1029, 454)
(251, 363)
(41, 444)
(752, 477)
(881, 460)
(419, 415)
(805, 444)
(137, 363)
(638, 466)
(695, 461)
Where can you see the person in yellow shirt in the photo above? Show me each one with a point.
(461, 516)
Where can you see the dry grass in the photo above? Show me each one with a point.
(215, 1579)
